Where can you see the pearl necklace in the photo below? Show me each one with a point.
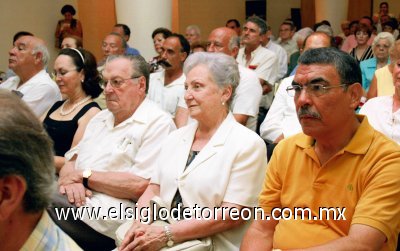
(64, 113)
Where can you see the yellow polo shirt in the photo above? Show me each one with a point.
(363, 178)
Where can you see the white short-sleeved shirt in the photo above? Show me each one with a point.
(282, 58)
(282, 116)
(247, 96)
(167, 97)
(263, 61)
(40, 92)
(132, 146)
(380, 116)
(229, 168)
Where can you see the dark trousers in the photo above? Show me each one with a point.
(85, 236)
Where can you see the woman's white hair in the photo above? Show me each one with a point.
(223, 68)
(383, 35)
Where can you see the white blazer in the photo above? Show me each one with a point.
(230, 168)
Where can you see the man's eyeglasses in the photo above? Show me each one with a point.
(315, 90)
(115, 82)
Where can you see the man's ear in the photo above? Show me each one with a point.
(142, 84)
(183, 56)
(12, 191)
(38, 57)
(356, 91)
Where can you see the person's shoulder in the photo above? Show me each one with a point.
(10, 83)
(368, 63)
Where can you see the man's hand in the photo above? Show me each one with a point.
(74, 176)
(266, 87)
(76, 193)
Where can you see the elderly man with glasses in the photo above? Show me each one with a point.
(341, 173)
(112, 164)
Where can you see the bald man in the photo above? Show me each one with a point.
(248, 94)
(28, 59)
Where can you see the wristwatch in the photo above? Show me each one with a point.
(86, 174)
(168, 233)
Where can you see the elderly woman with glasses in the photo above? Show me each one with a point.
(213, 163)
(78, 79)
(381, 45)
(383, 112)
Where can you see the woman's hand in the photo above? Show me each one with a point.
(144, 237)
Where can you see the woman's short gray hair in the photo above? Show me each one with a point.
(223, 68)
(383, 35)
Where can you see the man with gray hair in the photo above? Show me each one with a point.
(112, 164)
(28, 59)
(339, 179)
(26, 181)
(247, 96)
(254, 56)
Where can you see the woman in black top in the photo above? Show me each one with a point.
(78, 79)
(362, 51)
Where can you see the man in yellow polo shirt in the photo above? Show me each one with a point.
(338, 164)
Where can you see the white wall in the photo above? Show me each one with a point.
(37, 16)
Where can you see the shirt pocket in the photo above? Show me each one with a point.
(123, 155)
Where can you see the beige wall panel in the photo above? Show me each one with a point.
(98, 18)
(278, 10)
(209, 14)
(39, 17)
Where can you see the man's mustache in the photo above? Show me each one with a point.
(306, 111)
(164, 63)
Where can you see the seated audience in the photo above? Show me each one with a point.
(339, 163)
(383, 42)
(28, 59)
(217, 163)
(159, 35)
(78, 79)
(384, 112)
(351, 42)
(71, 41)
(112, 164)
(362, 51)
(382, 82)
(26, 181)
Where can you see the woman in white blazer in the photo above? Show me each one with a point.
(210, 164)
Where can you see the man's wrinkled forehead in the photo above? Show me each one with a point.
(306, 74)
(118, 67)
(24, 40)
